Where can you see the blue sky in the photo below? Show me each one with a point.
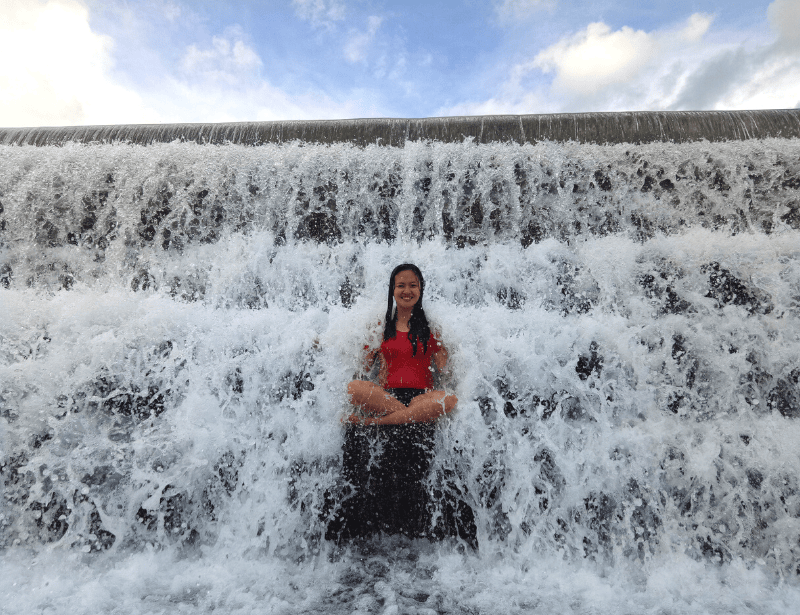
(127, 61)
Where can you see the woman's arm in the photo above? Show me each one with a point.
(440, 357)
(369, 359)
(372, 352)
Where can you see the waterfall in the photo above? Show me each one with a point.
(182, 309)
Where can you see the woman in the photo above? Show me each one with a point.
(389, 442)
(407, 353)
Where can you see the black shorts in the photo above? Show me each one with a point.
(404, 396)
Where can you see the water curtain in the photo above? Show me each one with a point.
(183, 305)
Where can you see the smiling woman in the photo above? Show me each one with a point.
(389, 441)
(407, 355)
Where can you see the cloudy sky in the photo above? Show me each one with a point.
(69, 62)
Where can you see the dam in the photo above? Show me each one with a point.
(183, 306)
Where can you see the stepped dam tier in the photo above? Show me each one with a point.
(183, 306)
(604, 128)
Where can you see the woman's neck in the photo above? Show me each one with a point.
(403, 318)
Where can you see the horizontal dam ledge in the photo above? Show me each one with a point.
(633, 127)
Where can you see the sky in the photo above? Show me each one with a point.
(84, 62)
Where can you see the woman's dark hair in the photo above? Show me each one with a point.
(418, 323)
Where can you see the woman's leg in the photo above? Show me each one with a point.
(371, 398)
(433, 403)
(422, 409)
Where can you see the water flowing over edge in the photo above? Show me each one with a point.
(182, 318)
(602, 128)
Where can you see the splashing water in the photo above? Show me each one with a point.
(179, 322)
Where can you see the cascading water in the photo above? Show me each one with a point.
(180, 321)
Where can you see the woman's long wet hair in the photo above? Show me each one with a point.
(418, 323)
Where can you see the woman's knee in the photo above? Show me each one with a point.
(356, 386)
(360, 391)
(447, 402)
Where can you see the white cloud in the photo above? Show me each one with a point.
(529, 102)
(252, 100)
(222, 82)
(774, 86)
(597, 57)
(684, 67)
(320, 13)
(357, 45)
(229, 58)
(784, 16)
(61, 71)
(766, 76)
(63, 76)
(171, 11)
(696, 27)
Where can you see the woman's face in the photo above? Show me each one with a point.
(406, 289)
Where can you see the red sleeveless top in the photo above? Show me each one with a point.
(404, 371)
